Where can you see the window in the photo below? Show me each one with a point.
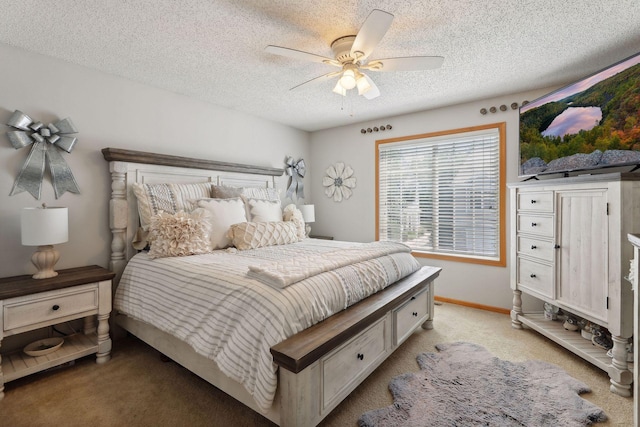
(442, 194)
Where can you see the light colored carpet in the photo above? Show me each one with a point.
(136, 388)
(463, 384)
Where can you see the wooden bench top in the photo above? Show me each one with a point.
(304, 348)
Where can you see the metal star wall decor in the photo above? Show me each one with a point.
(46, 143)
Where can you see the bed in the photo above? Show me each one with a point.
(316, 367)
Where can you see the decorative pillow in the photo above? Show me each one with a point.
(293, 214)
(223, 213)
(225, 192)
(179, 234)
(251, 235)
(260, 210)
(171, 198)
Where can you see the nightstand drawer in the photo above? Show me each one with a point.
(48, 308)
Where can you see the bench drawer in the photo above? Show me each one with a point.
(409, 315)
(344, 368)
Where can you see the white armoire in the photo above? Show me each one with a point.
(569, 248)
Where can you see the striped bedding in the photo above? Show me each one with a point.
(211, 302)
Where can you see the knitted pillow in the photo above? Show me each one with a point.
(251, 235)
(171, 198)
(179, 234)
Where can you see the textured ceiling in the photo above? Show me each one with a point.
(213, 50)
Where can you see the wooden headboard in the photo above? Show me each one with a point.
(128, 166)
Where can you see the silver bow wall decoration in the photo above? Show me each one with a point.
(46, 143)
(296, 171)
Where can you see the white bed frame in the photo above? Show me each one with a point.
(318, 367)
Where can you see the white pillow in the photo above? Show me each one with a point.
(223, 213)
(293, 214)
(263, 210)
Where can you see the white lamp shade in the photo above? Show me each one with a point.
(348, 79)
(44, 226)
(308, 213)
(363, 85)
(339, 89)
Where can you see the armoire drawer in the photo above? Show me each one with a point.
(535, 201)
(535, 276)
(536, 248)
(539, 225)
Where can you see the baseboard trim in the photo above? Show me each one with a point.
(473, 305)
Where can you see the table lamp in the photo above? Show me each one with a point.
(44, 227)
(309, 215)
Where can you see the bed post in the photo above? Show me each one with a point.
(118, 218)
(428, 324)
(297, 403)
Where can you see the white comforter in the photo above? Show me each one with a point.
(212, 303)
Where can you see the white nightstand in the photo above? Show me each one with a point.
(27, 304)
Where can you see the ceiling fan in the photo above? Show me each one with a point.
(352, 56)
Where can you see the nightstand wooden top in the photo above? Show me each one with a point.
(11, 287)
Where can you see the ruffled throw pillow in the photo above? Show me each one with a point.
(179, 234)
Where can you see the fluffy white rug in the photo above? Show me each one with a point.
(465, 385)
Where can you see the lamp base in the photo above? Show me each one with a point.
(44, 259)
(307, 229)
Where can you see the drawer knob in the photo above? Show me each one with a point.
(533, 201)
(56, 307)
(534, 247)
(412, 298)
(556, 246)
(360, 356)
(534, 224)
(415, 313)
(533, 275)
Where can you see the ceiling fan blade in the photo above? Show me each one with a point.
(317, 79)
(301, 55)
(373, 92)
(410, 63)
(371, 32)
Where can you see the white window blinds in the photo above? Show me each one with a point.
(441, 194)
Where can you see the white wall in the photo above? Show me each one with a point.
(354, 219)
(114, 112)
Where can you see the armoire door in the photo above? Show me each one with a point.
(582, 251)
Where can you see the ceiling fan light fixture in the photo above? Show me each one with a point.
(339, 89)
(363, 85)
(348, 79)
